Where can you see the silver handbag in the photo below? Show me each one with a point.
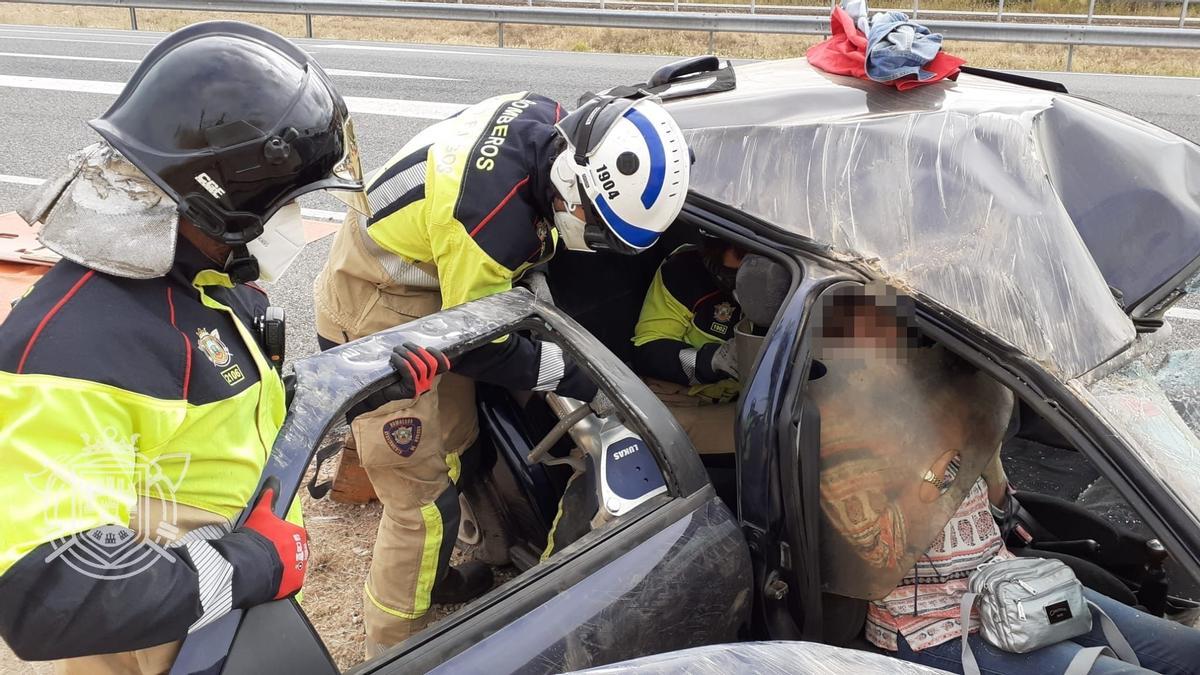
(1030, 603)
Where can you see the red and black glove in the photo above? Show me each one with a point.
(290, 542)
(417, 368)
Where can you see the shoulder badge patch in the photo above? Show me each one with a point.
(403, 434)
(723, 312)
(211, 346)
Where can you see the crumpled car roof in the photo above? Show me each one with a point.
(990, 199)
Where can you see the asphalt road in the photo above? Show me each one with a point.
(52, 80)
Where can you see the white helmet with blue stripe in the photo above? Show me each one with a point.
(627, 162)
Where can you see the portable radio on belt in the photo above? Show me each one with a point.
(272, 334)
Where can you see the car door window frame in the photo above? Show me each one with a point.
(688, 489)
(1058, 405)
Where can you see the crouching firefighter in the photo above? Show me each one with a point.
(462, 211)
(683, 340)
(139, 406)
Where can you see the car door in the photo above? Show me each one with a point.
(672, 573)
(779, 447)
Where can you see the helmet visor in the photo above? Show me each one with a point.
(348, 171)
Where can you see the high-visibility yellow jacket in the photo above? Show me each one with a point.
(465, 208)
(685, 317)
(112, 392)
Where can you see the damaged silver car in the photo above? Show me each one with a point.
(1040, 237)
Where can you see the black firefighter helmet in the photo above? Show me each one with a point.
(233, 122)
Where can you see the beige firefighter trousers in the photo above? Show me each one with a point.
(410, 451)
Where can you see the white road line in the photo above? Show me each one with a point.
(1042, 73)
(392, 107)
(319, 214)
(152, 40)
(20, 180)
(419, 50)
(1183, 313)
(400, 76)
(332, 71)
(61, 84)
(65, 30)
(89, 42)
(68, 58)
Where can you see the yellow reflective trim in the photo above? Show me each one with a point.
(429, 557)
(455, 463)
(208, 456)
(664, 317)
(426, 230)
(549, 550)
(211, 278)
(388, 610)
(272, 401)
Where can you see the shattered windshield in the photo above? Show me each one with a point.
(943, 192)
(1159, 412)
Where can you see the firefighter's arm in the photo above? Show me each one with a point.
(659, 349)
(74, 580)
(465, 273)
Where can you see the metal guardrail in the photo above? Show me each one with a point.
(915, 11)
(1069, 35)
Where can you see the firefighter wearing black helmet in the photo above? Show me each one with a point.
(139, 406)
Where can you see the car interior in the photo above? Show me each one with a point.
(603, 292)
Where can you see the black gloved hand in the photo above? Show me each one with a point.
(289, 389)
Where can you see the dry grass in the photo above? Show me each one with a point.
(737, 45)
(340, 541)
(1103, 7)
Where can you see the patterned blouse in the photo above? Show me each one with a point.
(924, 607)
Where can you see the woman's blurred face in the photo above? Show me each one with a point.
(863, 331)
(875, 329)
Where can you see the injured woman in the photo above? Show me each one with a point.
(910, 483)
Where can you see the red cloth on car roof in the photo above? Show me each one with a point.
(845, 53)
